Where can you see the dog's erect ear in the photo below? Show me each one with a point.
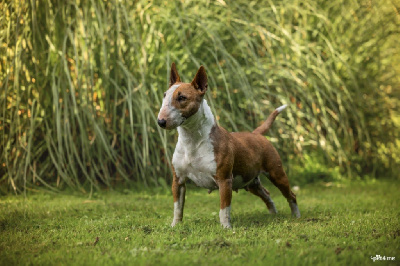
(200, 80)
(174, 76)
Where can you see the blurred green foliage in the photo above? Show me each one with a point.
(82, 81)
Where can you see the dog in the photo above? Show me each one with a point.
(213, 158)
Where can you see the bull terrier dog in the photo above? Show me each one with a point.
(212, 157)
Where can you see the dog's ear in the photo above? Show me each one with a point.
(174, 76)
(200, 80)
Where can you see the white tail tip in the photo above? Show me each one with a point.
(281, 108)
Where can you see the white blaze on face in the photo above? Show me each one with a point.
(168, 112)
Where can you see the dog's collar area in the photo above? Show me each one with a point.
(183, 120)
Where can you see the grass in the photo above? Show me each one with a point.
(343, 225)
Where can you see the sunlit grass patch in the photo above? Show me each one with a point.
(344, 225)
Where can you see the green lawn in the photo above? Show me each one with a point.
(340, 225)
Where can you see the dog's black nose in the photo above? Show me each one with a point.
(162, 123)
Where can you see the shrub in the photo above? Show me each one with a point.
(82, 82)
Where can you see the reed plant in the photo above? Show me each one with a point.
(82, 81)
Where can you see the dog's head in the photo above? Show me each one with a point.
(181, 100)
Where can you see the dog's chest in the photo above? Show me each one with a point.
(196, 160)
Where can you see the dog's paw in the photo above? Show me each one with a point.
(295, 209)
(175, 222)
(225, 217)
(296, 215)
(272, 209)
(226, 225)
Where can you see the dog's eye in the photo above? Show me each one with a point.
(181, 98)
(165, 94)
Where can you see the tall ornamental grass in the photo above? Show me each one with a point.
(82, 81)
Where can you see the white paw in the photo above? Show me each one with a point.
(226, 225)
(296, 214)
(175, 222)
(295, 209)
(225, 217)
(273, 211)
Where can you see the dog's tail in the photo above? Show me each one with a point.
(268, 123)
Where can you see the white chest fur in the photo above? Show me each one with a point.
(194, 153)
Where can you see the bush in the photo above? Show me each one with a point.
(82, 82)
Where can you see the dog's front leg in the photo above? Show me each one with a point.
(178, 192)
(225, 193)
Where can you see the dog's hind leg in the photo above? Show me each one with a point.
(256, 188)
(279, 178)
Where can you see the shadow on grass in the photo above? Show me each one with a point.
(258, 219)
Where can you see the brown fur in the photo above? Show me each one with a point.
(248, 154)
(192, 93)
(267, 124)
(242, 154)
(192, 101)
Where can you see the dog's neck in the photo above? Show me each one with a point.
(198, 126)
